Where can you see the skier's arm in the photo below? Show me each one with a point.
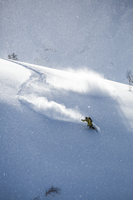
(83, 120)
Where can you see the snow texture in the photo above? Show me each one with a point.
(74, 47)
(44, 143)
(58, 33)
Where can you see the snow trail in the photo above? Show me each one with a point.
(35, 93)
(44, 84)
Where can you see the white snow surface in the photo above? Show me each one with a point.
(61, 33)
(43, 142)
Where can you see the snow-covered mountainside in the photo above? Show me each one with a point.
(43, 142)
(75, 33)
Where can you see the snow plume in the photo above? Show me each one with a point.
(51, 109)
(46, 91)
(81, 81)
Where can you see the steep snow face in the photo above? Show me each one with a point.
(42, 145)
(70, 33)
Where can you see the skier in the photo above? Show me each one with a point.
(90, 124)
(89, 121)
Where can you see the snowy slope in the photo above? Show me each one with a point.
(44, 143)
(58, 33)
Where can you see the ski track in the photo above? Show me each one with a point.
(40, 95)
(35, 93)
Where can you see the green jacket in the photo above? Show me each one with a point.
(88, 120)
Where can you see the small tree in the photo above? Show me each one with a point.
(129, 76)
(52, 191)
(12, 56)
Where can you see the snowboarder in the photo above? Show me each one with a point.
(88, 120)
(89, 123)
